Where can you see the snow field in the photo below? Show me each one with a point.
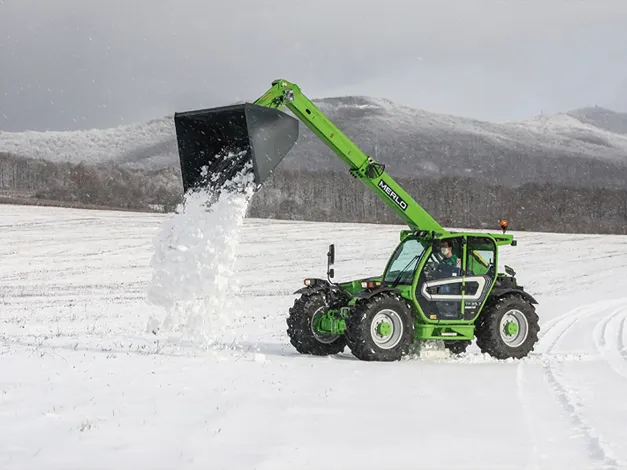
(85, 384)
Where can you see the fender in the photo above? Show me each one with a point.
(315, 286)
(311, 289)
(366, 294)
(499, 292)
(334, 295)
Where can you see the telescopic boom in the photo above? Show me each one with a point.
(361, 166)
(217, 144)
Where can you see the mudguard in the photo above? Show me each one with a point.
(366, 294)
(499, 292)
(316, 286)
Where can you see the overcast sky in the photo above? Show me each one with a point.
(75, 64)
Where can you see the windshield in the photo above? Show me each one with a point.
(405, 259)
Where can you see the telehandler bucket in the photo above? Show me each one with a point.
(224, 140)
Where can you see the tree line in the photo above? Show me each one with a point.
(101, 185)
(334, 196)
(453, 201)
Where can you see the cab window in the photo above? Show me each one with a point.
(404, 262)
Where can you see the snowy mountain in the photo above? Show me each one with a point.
(152, 140)
(556, 149)
(602, 118)
(583, 147)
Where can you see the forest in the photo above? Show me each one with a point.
(331, 196)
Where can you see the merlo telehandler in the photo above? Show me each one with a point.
(437, 284)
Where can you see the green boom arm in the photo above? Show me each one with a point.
(363, 167)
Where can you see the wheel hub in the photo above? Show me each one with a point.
(384, 329)
(315, 325)
(511, 328)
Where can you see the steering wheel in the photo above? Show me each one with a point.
(430, 267)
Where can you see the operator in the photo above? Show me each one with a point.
(449, 258)
(450, 266)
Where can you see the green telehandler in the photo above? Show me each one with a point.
(437, 284)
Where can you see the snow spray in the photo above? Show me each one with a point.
(194, 279)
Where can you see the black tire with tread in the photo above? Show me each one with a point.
(358, 328)
(299, 327)
(487, 330)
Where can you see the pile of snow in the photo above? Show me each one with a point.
(194, 280)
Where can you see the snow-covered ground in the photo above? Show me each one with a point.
(83, 385)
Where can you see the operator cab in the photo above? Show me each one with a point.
(449, 285)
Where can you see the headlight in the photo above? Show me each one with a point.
(370, 284)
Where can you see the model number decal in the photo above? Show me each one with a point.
(395, 197)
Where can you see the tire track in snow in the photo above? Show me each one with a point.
(608, 339)
(566, 398)
(597, 447)
(621, 339)
(552, 332)
(555, 329)
(528, 410)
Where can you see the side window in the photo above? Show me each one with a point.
(480, 257)
(404, 262)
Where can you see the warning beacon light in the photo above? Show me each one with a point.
(504, 224)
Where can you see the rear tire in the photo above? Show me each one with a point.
(381, 328)
(300, 327)
(508, 328)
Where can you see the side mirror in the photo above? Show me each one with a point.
(330, 262)
(510, 271)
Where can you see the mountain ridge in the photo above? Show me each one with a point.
(585, 146)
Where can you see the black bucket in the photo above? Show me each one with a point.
(224, 140)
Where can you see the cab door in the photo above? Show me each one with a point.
(439, 290)
(478, 274)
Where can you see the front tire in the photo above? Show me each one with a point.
(381, 328)
(300, 327)
(508, 328)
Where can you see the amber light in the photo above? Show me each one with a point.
(504, 223)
